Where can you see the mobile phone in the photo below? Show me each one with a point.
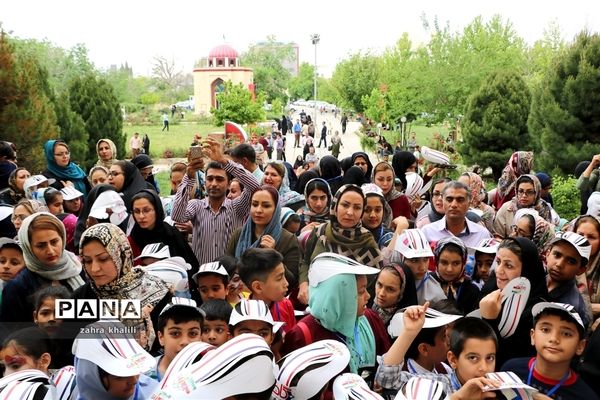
(196, 152)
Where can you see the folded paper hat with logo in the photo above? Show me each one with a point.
(436, 157)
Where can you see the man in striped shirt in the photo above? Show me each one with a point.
(215, 217)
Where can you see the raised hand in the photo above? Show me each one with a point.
(491, 305)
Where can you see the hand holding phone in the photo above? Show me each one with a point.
(196, 152)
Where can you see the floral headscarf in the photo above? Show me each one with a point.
(543, 208)
(543, 230)
(520, 163)
(451, 288)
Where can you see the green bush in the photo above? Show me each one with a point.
(566, 196)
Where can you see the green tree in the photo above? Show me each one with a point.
(495, 123)
(235, 104)
(26, 113)
(72, 129)
(564, 112)
(355, 78)
(94, 100)
(302, 86)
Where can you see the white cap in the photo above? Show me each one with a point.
(155, 250)
(371, 188)
(109, 199)
(580, 243)
(352, 387)
(433, 319)
(487, 245)
(568, 309)
(412, 243)
(182, 302)
(190, 354)
(326, 265)
(594, 204)
(253, 310)
(34, 181)
(70, 193)
(64, 380)
(214, 267)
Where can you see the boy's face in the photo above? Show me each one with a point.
(211, 287)
(418, 266)
(215, 332)
(175, 337)
(11, 263)
(563, 262)
(483, 263)
(260, 328)
(477, 359)
(556, 340)
(450, 265)
(275, 287)
(120, 386)
(439, 351)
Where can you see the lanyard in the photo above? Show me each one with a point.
(277, 311)
(423, 281)
(556, 387)
(135, 395)
(454, 381)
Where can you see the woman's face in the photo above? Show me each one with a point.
(235, 190)
(98, 264)
(362, 164)
(589, 231)
(15, 359)
(176, 178)
(522, 228)
(412, 167)
(387, 289)
(262, 208)
(362, 295)
(373, 215)
(116, 177)
(73, 206)
(385, 180)
(272, 178)
(98, 177)
(317, 201)
(144, 213)
(436, 197)
(104, 151)
(418, 266)
(47, 246)
(19, 214)
(509, 267)
(525, 194)
(61, 155)
(349, 209)
(21, 176)
(56, 205)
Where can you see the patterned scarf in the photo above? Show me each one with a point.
(393, 194)
(308, 214)
(539, 205)
(543, 230)
(450, 288)
(111, 144)
(519, 163)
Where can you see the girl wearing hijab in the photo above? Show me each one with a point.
(263, 229)
(62, 169)
(434, 211)
(384, 177)
(107, 153)
(361, 159)
(588, 226)
(14, 192)
(394, 290)
(528, 195)
(520, 163)
(42, 237)
(477, 189)
(127, 181)
(516, 257)
(450, 260)
(277, 177)
(377, 215)
(318, 200)
(98, 175)
(144, 164)
(343, 234)
(331, 171)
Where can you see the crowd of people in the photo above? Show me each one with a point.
(321, 279)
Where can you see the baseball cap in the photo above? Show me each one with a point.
(567, 309)
(352, 387)
(70, 193)
(580, 243)
(327, 265)
(155, 250)
(412, 243)
(253, 310)
(488, 246)
(211, 268)
(433, 319)
(371, 188)
(304, 372)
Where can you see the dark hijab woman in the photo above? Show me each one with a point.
(403, 162)
(127, 181)
(354, 176)
(331, 171)
(361, 160)
(14, 192)
(60, 167)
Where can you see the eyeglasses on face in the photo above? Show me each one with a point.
(63, 154)
(527, 193)
(115, 173)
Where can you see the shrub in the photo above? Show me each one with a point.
(565, 196)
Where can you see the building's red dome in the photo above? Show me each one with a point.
(223, 51)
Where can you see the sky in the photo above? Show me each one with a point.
(135, 32)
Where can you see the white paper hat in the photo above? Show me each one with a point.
(214, 267)
(352, 387)
(117, 353)
(190, 354)
(414, 183)
(25, 391)
(422, 388)
(155, 250)
(70, 193)
(242, 365)
(64, 381)
(306, 371)
(33, 182)
(326, 265)
(182, 302)
(109, 199)
(511, 386)
(594, 204)
(514, 298)
(26, 375)
(412, 243)
(5, 212)
(433, 319)
(488, 246)
(253, 310)
(434, 156)
(567, 308)
(172, 270)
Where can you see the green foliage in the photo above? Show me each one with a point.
(277, 106)
(355, 78)
(236, 104)
(94, 100)
(565, 113)
(149, 98)
(495, 123)
(367, 143)
(72, 129)
(302, 86)
(566, 198)
(27, 116)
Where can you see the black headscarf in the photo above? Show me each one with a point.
(133, 184)
(354, 176)
(331, 171)
(401, 161)
(369, 164)
(346, 163)
(304, 178)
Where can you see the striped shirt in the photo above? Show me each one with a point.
(211, 231)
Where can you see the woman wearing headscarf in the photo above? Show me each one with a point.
(384, 177)
(60, 167)
(107, 153)
(477, 189)
(528, 195)
(276, 175)
(377, 215)
(144, 164)
(318, 199)
(517, 257)
(127, 181)
(527, 223)
(331, 171)
(306, 177)
(264, 229)
(42, 237)
(589, 282)
(361, 159)
(146, 144)
(354, 176)
(403, 162)
(14, 192)
(394, 290)
(343, 234)
(520, 163)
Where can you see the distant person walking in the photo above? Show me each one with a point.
(135, 144)
(173, 109)
(323, 135)
(344, 123)
(165, 119)
(297, 130)
(146, 144)
(336, 143)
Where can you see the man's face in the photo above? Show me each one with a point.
(456, 203)
(216, 183)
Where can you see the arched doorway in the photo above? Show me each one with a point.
(215, 88)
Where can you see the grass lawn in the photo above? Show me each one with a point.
(178, 139)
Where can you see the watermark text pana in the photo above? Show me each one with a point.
(97, 309)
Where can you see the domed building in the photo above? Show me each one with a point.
(221, 65)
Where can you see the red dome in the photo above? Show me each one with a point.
(223, 51)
